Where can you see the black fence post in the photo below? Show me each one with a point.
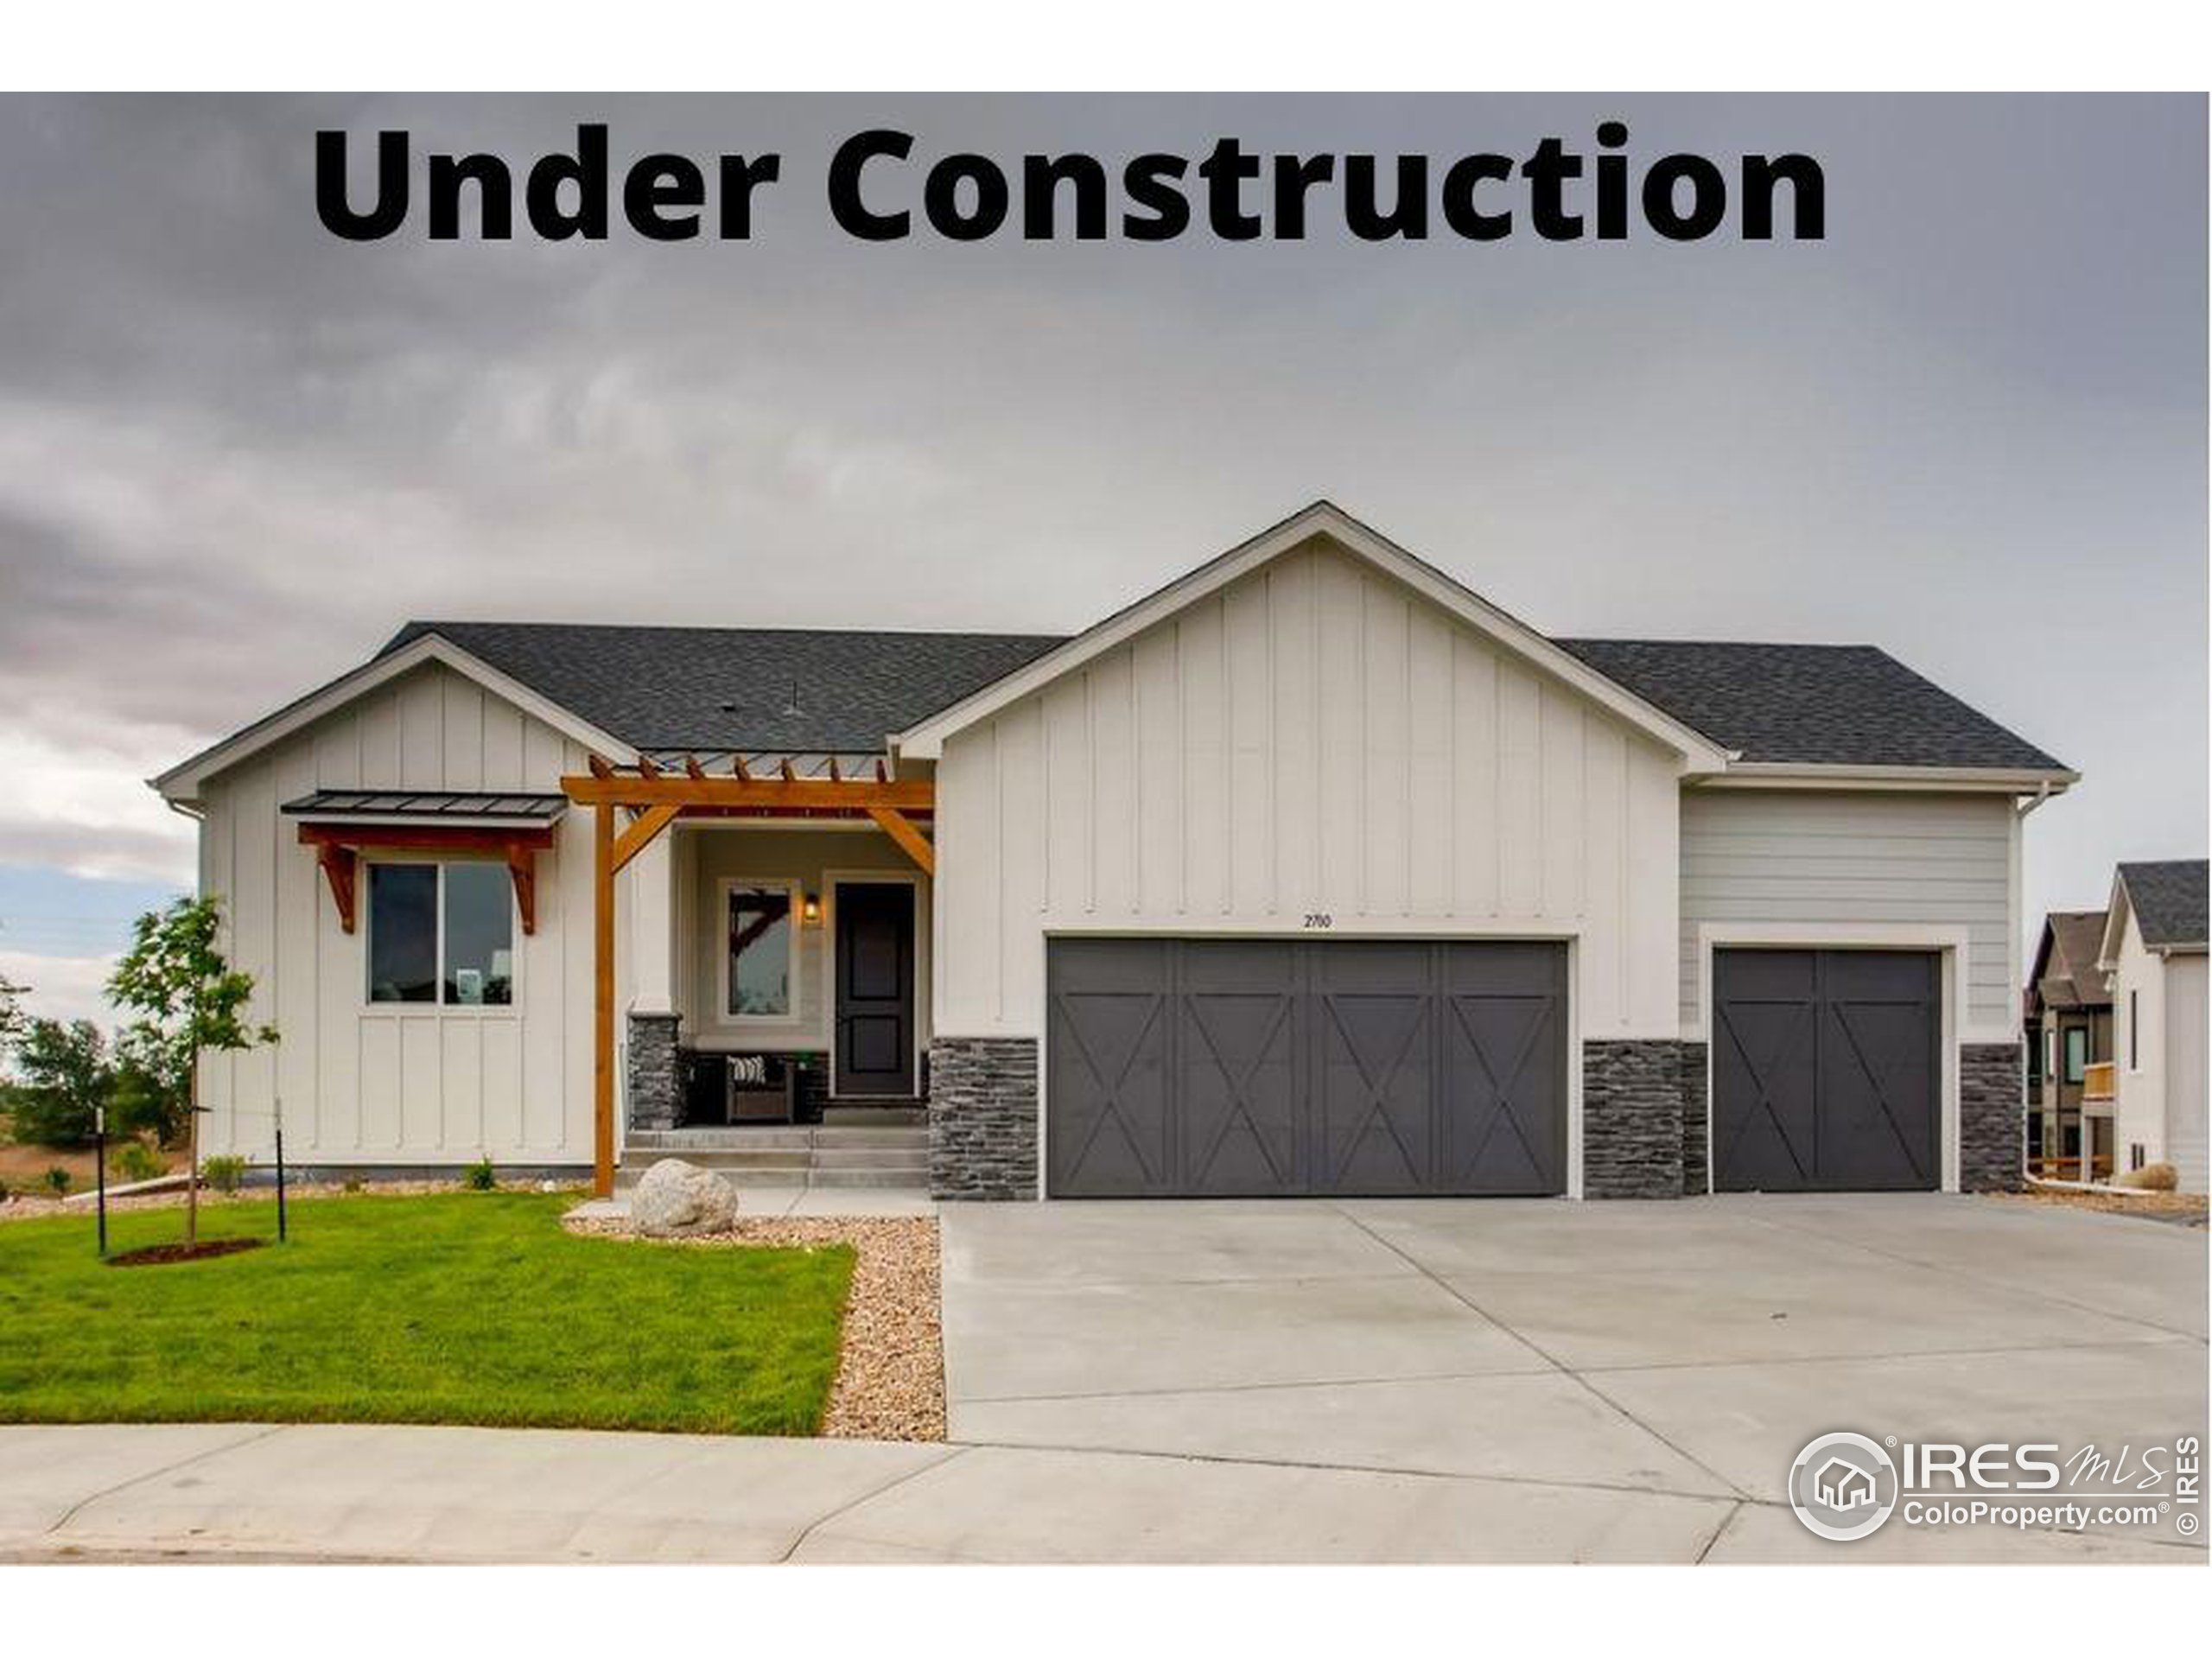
(99, 1170)
(280, 1172)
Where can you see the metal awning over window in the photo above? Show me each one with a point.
(339, 824)
(427, 806)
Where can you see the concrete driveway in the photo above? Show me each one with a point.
(1460, 1382)
(1532, 1379)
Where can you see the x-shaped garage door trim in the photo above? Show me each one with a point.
(1376, 1092)
(1806, 1011)
(1879, 1084)
(1240, 1089)
(1506, 1111)
(1111, 1093)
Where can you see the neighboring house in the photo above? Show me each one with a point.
(2068, 1035)
(1313, 872)
(2153, 948)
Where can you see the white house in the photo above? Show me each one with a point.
(1313, 872)
(2154, 951)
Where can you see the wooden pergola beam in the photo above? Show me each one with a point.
(602, 1009)
(799, 793)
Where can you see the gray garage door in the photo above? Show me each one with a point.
(1273, 1067)
(1825, 1070)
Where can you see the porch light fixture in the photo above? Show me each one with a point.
(810, 910)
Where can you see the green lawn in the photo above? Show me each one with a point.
(467, 1308)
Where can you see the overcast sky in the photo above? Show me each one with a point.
(236, 452)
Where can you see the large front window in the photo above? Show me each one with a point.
(442, 933)
(760, 970)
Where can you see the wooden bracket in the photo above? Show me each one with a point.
(640, 832)
(338, 867)
(338, 848)
(901, 827)
(522, 866)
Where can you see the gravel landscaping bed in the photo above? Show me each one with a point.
(890, 1381)
(2165, 1205)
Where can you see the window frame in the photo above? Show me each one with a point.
(725, 888)
(437, 1005)
(2135, 1029)
(2075, 1072)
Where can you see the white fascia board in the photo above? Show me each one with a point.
(2115, 933)
(926, 742)
(1783, 774)
(183, 782)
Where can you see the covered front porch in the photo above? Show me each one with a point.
(762, 958)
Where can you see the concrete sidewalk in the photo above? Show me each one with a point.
(325, 1493)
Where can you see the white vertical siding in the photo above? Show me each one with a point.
(1313, 738)
(1775, 858)
(2186, 1081)
(371, 1084)
(2158, 1072)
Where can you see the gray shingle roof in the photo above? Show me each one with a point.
(750, 689)
(2169, 900)
(2066, 960)
(826, 691)
(1814, 705)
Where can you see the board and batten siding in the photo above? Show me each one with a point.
(1313, 740)
(383, 1084)
(1768, 860)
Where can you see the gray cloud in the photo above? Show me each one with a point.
(235, 453)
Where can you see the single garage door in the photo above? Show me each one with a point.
(1228, 1068)
(1827, 1076)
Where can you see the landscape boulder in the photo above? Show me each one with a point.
(674, 1199)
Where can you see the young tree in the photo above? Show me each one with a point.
(66, 1077)
(12, 1011)
(187, 998)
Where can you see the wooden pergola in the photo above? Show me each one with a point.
(649, 799)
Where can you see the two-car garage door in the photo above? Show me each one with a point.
(1278, 1067)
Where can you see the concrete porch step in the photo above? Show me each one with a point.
(682, 1143)
(873, 1118)
(831, 1154)
(916, 1180)
(905, 1180)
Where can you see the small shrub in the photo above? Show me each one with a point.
(223, 1172)
(2151, 1178)
(134, 1160)
(479, 1177)
(58, 1178)
(352, 1184)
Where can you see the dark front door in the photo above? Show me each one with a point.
(875, 987)
(1279, 1067)
(1827, 1070)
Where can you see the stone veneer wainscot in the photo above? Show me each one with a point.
(984, 1117)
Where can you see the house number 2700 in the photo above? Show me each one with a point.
(1319, 919)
